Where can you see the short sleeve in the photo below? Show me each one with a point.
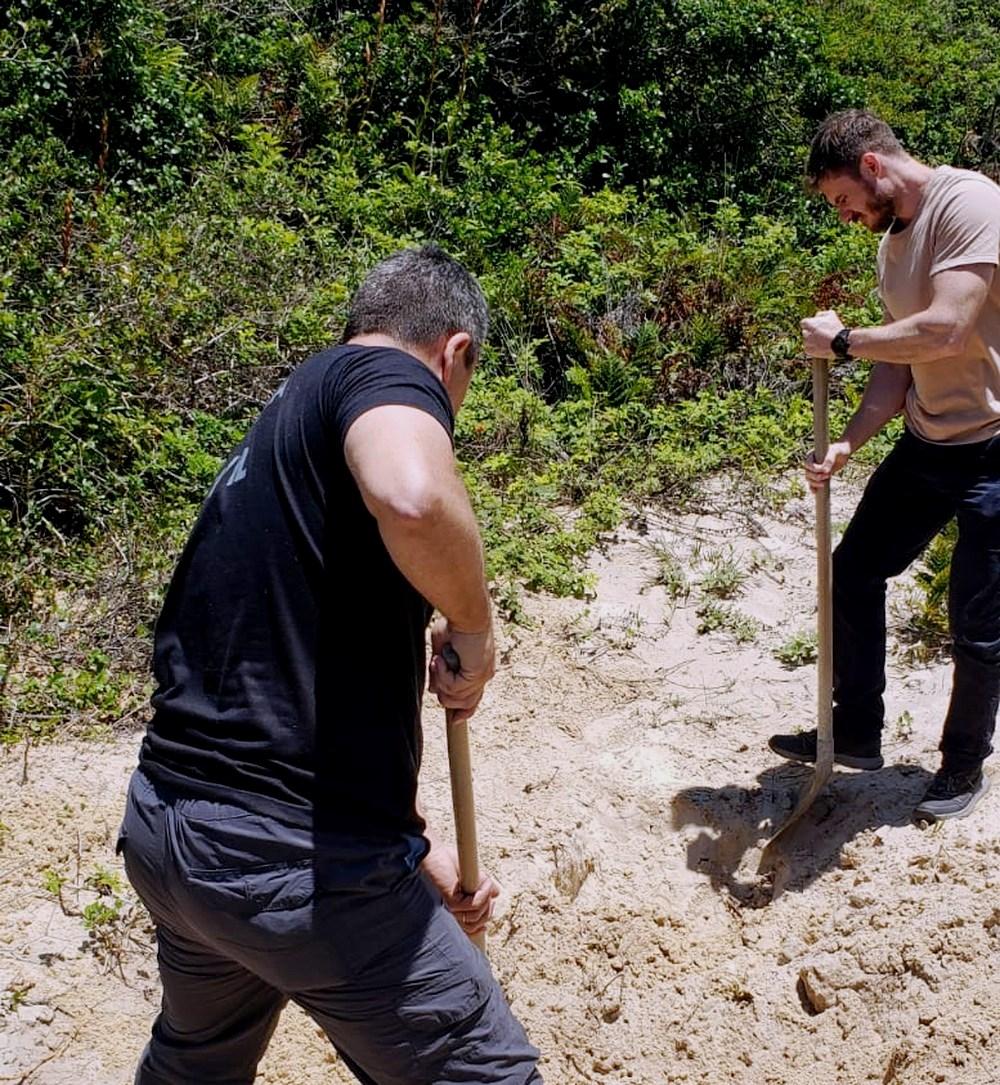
(379, 377)
(968, 227)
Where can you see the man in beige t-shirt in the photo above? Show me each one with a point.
(937, 358)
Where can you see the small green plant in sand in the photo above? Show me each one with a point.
(903, 727)
(53, 881)
(798, 650)
(670, 574)
(623, 632)
(716, 617)
(14, 996)
(724, 579)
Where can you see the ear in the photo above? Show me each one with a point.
(871, 165)
(454, 354)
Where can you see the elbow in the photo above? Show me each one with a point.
(411, 507)
(955, 346)
(950, 340)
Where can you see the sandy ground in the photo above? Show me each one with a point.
(625, 793)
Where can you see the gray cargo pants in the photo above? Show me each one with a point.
(242, 927)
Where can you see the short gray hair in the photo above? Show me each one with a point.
(416, 296)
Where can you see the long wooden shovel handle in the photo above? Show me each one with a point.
(462, 798)
(824, 621)
(824, 576)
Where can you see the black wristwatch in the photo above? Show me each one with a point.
(841, 344)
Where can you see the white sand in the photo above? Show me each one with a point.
(625, 792)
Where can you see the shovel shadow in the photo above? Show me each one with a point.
(738, 822)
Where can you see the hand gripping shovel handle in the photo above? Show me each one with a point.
(824, 617)
(462, 799)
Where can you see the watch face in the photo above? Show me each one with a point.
(841, 343)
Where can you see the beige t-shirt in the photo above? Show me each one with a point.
(955, 400)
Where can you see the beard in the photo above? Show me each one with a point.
(880, 211)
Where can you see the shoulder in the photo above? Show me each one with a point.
(366, 377)
(964, 192)
(351, 358)
(963, 224)
(373, 370)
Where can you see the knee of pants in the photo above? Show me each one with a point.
(984, 653)
(854, 572)
(975, 620)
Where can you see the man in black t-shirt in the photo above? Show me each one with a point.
(272, 827)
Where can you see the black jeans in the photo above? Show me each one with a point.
(914, 493)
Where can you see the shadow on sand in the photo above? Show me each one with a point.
(739, 821)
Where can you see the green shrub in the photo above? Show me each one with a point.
(191, 192)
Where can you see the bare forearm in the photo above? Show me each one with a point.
(438, 864)
(883, 399)
(923, 337)
(431, 835)
(941, 330)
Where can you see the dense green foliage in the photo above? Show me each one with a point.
(191, 190)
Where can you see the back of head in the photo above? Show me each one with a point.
(842, 139)
(416, 296)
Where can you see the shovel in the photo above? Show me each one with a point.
(462, 800)
(824, 581)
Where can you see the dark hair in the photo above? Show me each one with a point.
(842, 139)
(416, 296)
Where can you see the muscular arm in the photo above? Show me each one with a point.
(402, 461)
(942, 330)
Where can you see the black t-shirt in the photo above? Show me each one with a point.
(290, 651)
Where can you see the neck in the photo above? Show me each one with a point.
(377, 339)
(910, 179)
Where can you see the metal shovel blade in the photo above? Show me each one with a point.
(824, 582)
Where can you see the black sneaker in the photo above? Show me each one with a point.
(952, 795)
(852, 755)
